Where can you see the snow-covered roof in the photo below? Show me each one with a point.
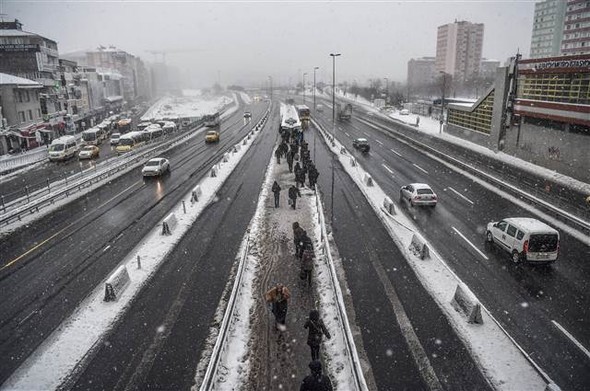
(6, 79)
(15, 33)
(530, 224)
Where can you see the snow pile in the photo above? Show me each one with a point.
(502, 361)
(191, 105)
(246, 98)
(58, 355)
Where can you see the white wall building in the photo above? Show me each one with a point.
(458, 49)
(547, 28)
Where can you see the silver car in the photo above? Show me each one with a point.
(418, 194)
(156, 167)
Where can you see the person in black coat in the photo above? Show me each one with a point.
(278, 154)
(304, 243)
(317, 329)
(290, 156)
(276, 189)
(300, 177)
(313, 175)
(316, 381)
(293, 194)
(297, 235)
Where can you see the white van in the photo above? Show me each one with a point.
(63, 148)
(525, 239)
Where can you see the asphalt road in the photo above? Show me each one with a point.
(159, 341)
(49, 266)
(383, 287)
(531, 302)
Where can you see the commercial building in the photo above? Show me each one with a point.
(488, 68)
(576, 28)
(547, 28)
(458, 49)
(421, 71)
(537, 110)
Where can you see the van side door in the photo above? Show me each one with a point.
(499, 232)
(510, 240)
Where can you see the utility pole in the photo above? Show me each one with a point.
(270, 80)
(304, 74)
(314, 69)
(333, 55)
(442, 102)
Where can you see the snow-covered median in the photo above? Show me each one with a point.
(191, 105)
(69, 345)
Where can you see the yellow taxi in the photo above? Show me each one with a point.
(212, 136)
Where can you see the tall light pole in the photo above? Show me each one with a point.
(270, 81)
(386, 91)
(304, 74)
(442, 101)
(333, 55)
(314, 69)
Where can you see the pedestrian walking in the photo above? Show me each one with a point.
(293, 194)
(304, 243)
(297, 235)
(278, 154)
(290, 159)
(300, 177)
(316, 330)
(278, 297)
(276, 189)
(307, 265)
(316, 381)
(313, 175)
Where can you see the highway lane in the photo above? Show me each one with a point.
(159, 341)
(527, 300)
(384, 289)
(51, 265)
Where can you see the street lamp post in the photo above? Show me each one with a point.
(333, 55)
(442, 102)
(386, 91)
(314, 69)
(304, 74)
(270, 80)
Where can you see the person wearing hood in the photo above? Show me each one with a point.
(276, 189)
(316, 381)
(278, 297)
(293, 194)
(317, 329)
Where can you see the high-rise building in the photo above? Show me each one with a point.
(547, 28)
(576, 28)
(458, 49)
(421, 71)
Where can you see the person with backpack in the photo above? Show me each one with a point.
(307, 264)
(316, 330)
(297, 234)
(293, 194)
(304, 243)
(278, 297)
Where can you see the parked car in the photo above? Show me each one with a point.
(526, 239)
(362, 144)
(404, 112)
(212, 136)
(156, 167)
(247, 114)
(89, 152)
(115, 138)
(418, 194)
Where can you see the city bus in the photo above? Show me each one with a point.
(131, 141)
(289, 119)
(124, 125)
(304, 113)
(154, 131)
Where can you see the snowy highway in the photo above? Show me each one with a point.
(72, 249)
(535, 304)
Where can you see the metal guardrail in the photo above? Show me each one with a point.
(78, 182)
(357, 371)
(13, 162)
(498, 182)
(220, 345)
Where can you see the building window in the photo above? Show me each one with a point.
(21, 116)
(20, 97)
(38, 113)
(30, 112)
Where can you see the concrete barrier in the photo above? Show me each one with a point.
(245, 142)
(169, 224)
(225, 157)
(196, 194)
(116, 284)
(368, 180)
(419, 247)
(237, 147)
(343, 151)
(352, 161)
(467, 304)
(388, 205)
(214, 172)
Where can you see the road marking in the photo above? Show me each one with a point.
(387, 168)
(471, 244)
(379, 141)
(346, 133)
(420, 168)
(397, 153)
(460, 195)
(60, 231)
(571, 337)
(106, 248)
(367, 134)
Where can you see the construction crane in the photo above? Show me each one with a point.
(163, 53)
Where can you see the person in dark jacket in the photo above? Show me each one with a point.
(317, 329)
(293, 194)
(304, 243)
(313, 175)
(307, 265)
(276, 189)
(300, 177)
(316, 381)
(278, 154)
(290, 156)
(278, 297)
(297, 235)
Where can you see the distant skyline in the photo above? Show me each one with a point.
(245, 42)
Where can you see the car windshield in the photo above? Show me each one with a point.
(124, 270)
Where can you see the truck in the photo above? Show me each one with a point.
(379, 103)
(211, 120)
(344, 112)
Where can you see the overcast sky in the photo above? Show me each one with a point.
(245, 42)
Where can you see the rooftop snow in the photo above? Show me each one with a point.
(6, 79)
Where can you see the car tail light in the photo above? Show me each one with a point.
(417, 198)
(525, 247)
(434, 196)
